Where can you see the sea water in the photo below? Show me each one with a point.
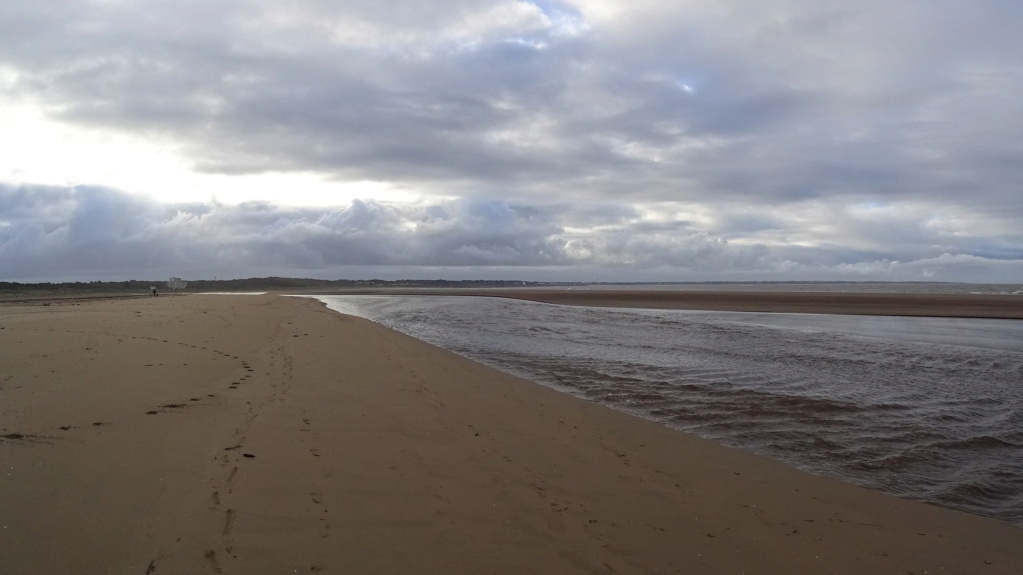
(929, 409)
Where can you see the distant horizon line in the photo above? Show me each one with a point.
(406, 281)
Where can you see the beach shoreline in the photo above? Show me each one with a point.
(913, 304)
(260, 434)
(981, 306)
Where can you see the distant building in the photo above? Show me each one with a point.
(176, 283)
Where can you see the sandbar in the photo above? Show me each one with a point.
(989, 306)
(267, 434)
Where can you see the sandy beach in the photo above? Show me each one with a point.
(267, 434)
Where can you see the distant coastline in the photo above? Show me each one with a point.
(931, 299)
(286, 283)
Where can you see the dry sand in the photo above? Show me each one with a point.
(265, 434)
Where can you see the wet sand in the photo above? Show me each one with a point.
(265, 434)
(898, 304)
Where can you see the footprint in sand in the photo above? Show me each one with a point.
(229, 518)
(211, 559)
(317, 499)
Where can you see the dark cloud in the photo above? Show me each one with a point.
(90, 232)
(85, 230)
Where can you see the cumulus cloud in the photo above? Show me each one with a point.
(91, 232)
(87, 228)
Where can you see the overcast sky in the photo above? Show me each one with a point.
(551, 140)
